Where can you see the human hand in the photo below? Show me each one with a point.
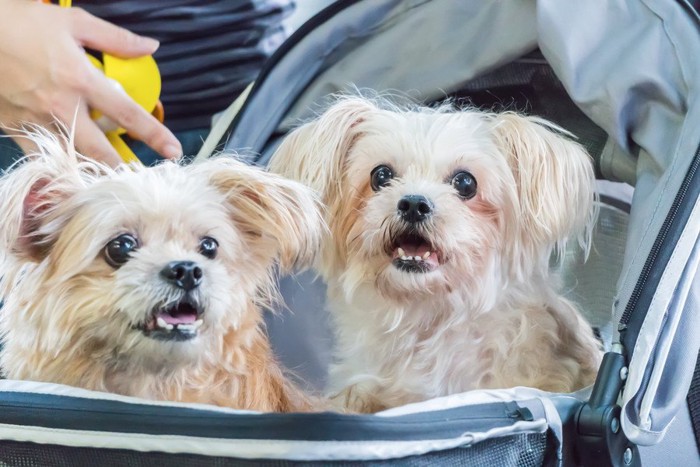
(46, 76)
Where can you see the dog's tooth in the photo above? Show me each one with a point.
(161, 323)
(417, 258)
(186, 327)
(169, 327)
(198, 323)
(404, 258)
(401, 252)
(427, 254)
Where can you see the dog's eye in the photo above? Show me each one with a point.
(465, 184)
(380, 177)
(118, 250)
(208, 247)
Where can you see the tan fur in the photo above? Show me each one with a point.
(69, 317)
(490, 315)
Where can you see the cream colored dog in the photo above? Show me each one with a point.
(442, 226)
(149, 282)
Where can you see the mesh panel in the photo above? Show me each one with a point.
(522, 450)
(590, 283)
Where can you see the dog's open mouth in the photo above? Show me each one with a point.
(178, 321)
(413, 253)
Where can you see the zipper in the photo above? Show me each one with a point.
(68, 412)
(659, 243)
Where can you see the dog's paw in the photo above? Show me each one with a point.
(359, 398)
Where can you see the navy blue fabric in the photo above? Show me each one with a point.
(191, 141)
(9, 152)
(62, 412)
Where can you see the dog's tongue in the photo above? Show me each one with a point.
(179, 315)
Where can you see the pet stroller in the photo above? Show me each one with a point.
(619, 74)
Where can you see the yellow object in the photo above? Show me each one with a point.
(139, 78)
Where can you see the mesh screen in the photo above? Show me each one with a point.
(519, 450)
(590, 283)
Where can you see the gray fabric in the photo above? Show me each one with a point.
(301, 335)
(453, 54)
(647, 112)
(658, 384)
(677, 448)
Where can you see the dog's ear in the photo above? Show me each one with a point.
(32, 193)
(555, 181)
(315, 153)
(282, 217)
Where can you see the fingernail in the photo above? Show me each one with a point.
(172, 151)
(151, 43)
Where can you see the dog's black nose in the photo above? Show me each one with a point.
(184, 274)
(414, 208)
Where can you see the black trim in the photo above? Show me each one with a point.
(297, 36)
(74, 413)
(615, 202)
(694, 402)
(659, 255)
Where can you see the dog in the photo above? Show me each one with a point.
(442, 224)
(149, 282)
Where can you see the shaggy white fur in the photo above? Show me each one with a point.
(459, 294)
(95, 267)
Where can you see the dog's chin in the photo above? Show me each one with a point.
(178, 321)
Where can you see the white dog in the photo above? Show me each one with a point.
(442, 225)
(149, 282)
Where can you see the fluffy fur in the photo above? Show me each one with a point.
(484, 312)
(69, 317)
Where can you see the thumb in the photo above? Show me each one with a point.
(98, 34)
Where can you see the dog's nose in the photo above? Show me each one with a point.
(414, 208)
(184, 274)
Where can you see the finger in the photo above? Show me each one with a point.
(118, 106)
(91, 142)
(101, 35)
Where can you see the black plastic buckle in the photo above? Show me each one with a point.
(600, 440)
